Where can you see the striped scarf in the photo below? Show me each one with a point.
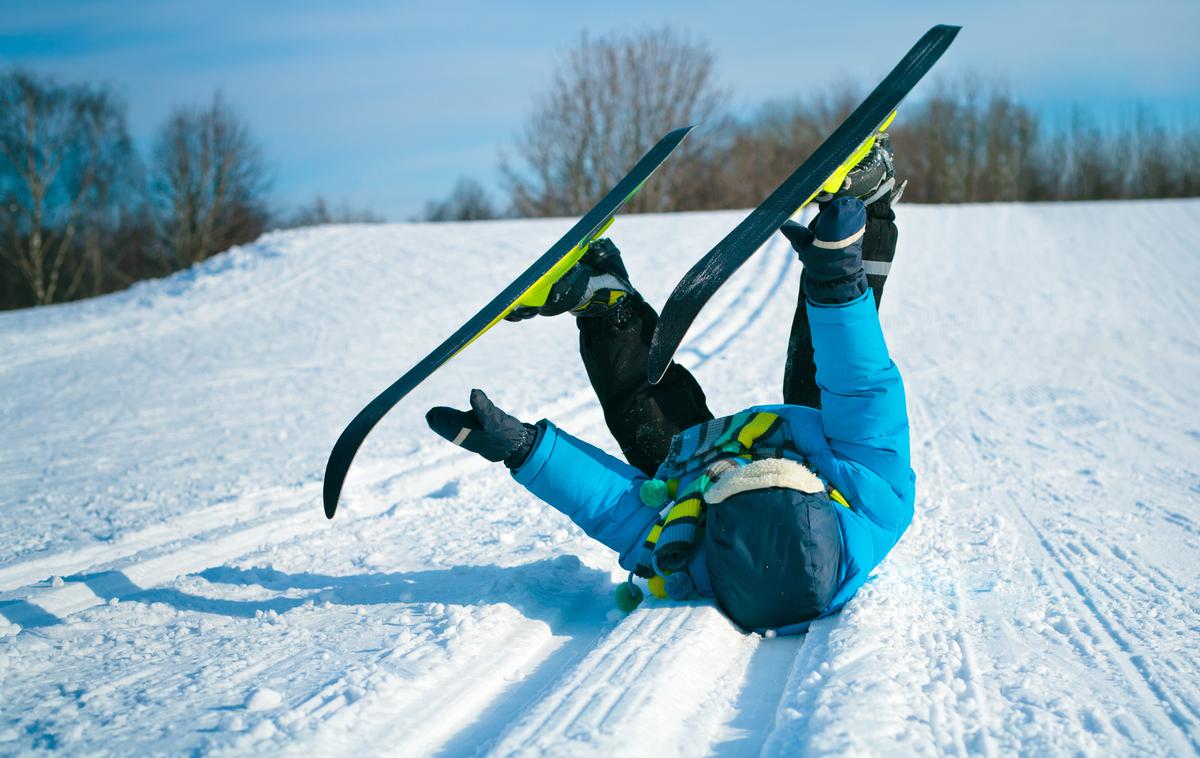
(718, 447)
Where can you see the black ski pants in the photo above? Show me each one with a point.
(643, 417)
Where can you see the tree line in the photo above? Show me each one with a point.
(81, 213)
(959, 141)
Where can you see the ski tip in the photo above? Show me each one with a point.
(678, 135)
(950, 29)
(332, 489)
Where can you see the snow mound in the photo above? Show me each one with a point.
(169, 584)
(263, 699)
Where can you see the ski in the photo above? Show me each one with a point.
(826, 168)
(530, 288)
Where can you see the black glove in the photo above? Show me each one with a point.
(486, 430)
(831, 252)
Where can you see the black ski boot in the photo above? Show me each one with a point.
(874, 178)
(873, 181)
(596, 286)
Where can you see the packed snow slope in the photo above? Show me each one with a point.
(168, 582)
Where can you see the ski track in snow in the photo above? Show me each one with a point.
(171, 584)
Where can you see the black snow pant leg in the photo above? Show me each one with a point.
(879, 248)
(642, 417)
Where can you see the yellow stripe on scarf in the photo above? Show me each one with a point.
(688, 507)
(757, 427)
(652, 537)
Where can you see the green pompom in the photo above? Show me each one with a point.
(654, 493)
(628, 596)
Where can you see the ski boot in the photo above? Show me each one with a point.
(596, 286)
(873, 181)
(874, 178)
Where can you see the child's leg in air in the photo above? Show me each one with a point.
(642, 417)
(863, 412)
(879, 247)
(615, 328)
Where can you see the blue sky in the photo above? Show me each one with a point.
(385, 105)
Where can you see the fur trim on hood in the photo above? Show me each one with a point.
(761, 475)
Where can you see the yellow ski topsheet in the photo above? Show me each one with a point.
(834, 182)
(537, 294)
(540, 290)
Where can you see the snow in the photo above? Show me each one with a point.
(168, 582)
(263, 699)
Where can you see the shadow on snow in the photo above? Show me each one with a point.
(538, 590)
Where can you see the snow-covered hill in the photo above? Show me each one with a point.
(168, 582)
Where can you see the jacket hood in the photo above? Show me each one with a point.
(772, 543)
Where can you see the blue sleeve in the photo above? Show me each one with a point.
(863, 409)
(594, 489)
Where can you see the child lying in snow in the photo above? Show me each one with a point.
(778, 512)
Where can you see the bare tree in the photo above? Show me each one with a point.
(610, 99)
(63, 151)
(758, 153)
(1157, 171)
(1100, 160)
(972, 142)
(320, 212)
(468, 201)
(208, 183)
(1189, 161)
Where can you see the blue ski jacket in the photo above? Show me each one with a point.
(858, 442)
